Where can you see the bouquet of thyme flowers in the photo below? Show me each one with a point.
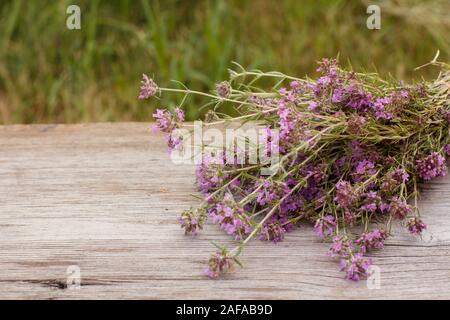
(352, 149)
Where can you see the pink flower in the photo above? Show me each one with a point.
(224, 89)
(447, 149)
(416, 226)
(192, 220)
(399, 208)
(341, 247)
(272, 231)
(371, 202)
(231, 217)
(219, 263)
(166, 121)
(325, 226)
(148, 88)
(271, 191)
(345, 194)
(210, 173)
(356, 267)
(371, 240)
(432, 166)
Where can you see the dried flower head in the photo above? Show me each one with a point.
(341, 247)
(356, 267)
(371, 240)
(346, 196)
(192, 220)
(399, 209)
(325, 227)
(431, 166)
(231, 217)
(416, 226)
(223, 89)
(219, 263)
(148, 88)
(356, 124)
(272, 231)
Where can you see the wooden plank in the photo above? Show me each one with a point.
(105, 197)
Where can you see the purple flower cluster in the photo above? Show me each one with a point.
(290, 125)
(219, 263)
(352, 148)
(341, 247)
(372, 201)
(231, 217)
(148, 88)
(363, 170)
(344, 91)
(169, 123)
(371, 240)
(356, 124)
(394, 179)
(353, 97)
(431, 166)
(274, 230)
(398, 208)
(325, 226)
(356, 267)
(192, 220)
(271, 191)
(223, 89)
(416, 226)
(210, 173)
(345, 194)
(166, 121)
(447, 150)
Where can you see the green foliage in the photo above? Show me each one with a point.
(51, 74)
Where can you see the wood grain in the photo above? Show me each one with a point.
(105, 197)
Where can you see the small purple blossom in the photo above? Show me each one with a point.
(371, 201)
(364, 169)
(290, 125)
(231, 217)
(394, 179)
(371, 240)
(192, 220)
(447, 150)
(271, 191)
(380, 110)
(148, 88)
(219, 263)
(353, 97)
(325, 227)
(166, 121)
(272, 231)
(399, 209)
(223, 89)
(313, 105)
(356, 124)
(210, 173)
(174, 141)
(431, 166)
(350, 217)
(390, 106)
(345, 194)
(416, 226)
(356, 267)
(341, 247)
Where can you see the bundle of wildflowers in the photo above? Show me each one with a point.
(351, 150)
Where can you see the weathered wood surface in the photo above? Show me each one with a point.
(106, 197)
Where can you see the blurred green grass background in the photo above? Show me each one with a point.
(51, 74)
